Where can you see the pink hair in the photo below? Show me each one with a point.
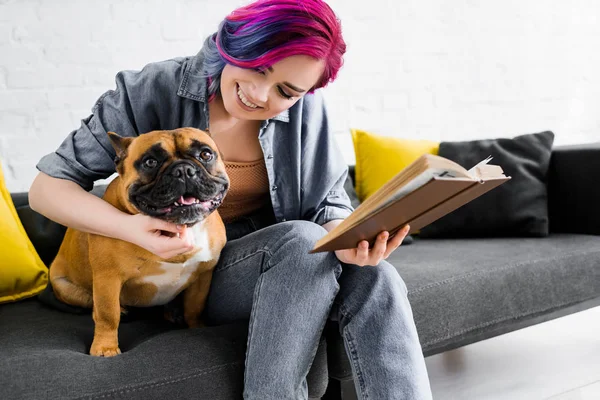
(262, 33)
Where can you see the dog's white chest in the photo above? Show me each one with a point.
(172, 277)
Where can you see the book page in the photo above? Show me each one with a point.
(484, 170)
(417, 182)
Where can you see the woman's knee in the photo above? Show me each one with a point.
(385, 277)
(293, 240)
(302, 233)
(390, 274)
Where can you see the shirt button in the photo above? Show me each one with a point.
(274, 187)
(270, 156)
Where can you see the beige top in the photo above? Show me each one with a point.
(248, 189)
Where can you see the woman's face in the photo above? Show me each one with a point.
(259, 95)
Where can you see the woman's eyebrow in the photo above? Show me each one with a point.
(295, 88)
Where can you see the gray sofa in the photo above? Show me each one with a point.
(462, 291)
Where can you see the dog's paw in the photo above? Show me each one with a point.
(104, 349)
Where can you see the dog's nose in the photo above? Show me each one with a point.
(182, 170)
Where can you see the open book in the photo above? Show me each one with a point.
(426, 190)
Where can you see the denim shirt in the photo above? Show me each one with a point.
(306, 170)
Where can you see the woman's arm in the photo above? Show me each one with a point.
(332, 224)
(59, 192)
(67, 203)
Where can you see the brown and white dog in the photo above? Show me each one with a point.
(177, 176)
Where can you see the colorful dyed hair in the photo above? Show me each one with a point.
(262, 33)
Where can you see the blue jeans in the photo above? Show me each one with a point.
(265, 274)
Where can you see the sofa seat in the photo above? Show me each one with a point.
(44, 356)
(464, 290)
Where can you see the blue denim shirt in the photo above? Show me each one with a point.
(305, 168)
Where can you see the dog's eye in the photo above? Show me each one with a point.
(206, 155)
(150, 162)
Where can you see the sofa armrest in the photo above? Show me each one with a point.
(574, 189)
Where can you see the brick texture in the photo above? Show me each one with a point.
(433, 69)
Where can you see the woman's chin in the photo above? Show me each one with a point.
(238, 113)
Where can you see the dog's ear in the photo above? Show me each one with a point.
(120, 144)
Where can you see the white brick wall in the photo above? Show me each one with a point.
(434, 69)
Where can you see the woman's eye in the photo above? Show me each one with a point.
(206, 155)
(260, 71)
(283, 93)
(150, 163)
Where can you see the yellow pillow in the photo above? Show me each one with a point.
(379, 158)
(22, 272)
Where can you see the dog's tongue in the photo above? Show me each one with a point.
(187, 200)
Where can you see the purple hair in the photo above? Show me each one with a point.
(262, 33)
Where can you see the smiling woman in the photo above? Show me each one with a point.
(254, 87)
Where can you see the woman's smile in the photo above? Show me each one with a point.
(244, 101)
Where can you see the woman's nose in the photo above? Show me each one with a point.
(260, 93)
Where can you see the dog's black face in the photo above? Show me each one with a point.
(176, 176)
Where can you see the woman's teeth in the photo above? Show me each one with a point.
(245, 100)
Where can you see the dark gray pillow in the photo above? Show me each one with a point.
(518, 207)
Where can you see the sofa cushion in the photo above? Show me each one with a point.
(44, 355)
(22, 272)
(465, 290)
(460, 289)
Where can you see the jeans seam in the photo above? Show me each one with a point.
(322, 329)
(356, 362)
(264, 250)
(353, 353)
(242, 258)
(268, 263)
(251, 327)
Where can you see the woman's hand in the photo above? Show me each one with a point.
(165, 239)
(362, 256)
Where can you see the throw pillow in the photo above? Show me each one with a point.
(22, 273)
(379, 158)
(519, 207)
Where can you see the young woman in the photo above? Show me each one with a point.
(253, 86)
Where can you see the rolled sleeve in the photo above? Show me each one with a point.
(331, 209)
(80, 158)
(86, 154)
